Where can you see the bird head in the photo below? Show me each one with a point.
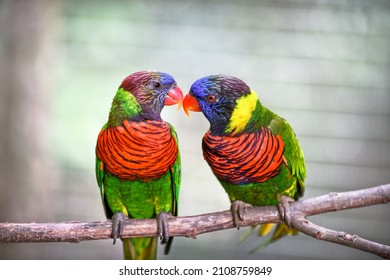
(153, 90)
(142, 95)
(223, 100)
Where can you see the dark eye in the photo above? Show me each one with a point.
(156, 85)
(211, 98)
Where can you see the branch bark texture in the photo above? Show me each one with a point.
(191, 226)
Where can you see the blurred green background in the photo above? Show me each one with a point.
(322, 65)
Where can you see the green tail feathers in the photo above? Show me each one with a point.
(144, 248)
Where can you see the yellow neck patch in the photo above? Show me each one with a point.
(242, 113)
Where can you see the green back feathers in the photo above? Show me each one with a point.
(293, 153)
(176, 176)
(124, 106)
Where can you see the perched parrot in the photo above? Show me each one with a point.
(138, 161)
(253, 152)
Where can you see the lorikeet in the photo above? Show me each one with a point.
(138, 161)
(253, 152)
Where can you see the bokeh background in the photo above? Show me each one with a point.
(322, 65)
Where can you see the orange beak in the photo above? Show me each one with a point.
(174, 96)
(190, 104)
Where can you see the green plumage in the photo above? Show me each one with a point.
(140, 200)
(290, 179)
(135, 177)
(253, 152)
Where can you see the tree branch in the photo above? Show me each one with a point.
(191, 226)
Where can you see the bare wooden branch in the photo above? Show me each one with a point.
(336, 202)
(191, 226)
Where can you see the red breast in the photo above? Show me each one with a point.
(137, 150)
(247, 158)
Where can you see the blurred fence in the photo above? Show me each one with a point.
(322, 65)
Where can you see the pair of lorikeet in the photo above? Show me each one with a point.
(253, 152)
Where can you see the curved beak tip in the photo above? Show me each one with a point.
(190, 104)
(187, 111)
(174, 96)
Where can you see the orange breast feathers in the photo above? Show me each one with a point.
(243, 159)
(137, 150)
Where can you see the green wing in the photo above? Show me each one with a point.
(292, 151)
(100, 180)
(176, 176)
(99, 171)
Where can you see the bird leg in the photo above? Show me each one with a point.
(117, 225)
(162, 226)
(238, 209)
(284, 209)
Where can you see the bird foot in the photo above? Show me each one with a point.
(162, 226)
(117, 225)
(238, 209)
(284, 209)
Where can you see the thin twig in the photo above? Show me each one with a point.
(191, 226)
